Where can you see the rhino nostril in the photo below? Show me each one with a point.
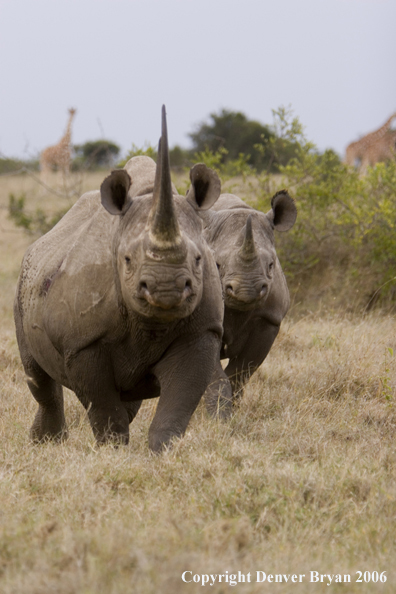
(229, 289)
(187, 288)
(142, 288)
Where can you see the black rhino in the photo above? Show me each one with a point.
(256, 296)
(123, 303)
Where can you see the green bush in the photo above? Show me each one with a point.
(345, 221)
(37, 222)
(9, 165)
(147, 151)
(263, 147)
(95, 154)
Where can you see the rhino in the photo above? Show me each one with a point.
(121, 301)
(256, 296)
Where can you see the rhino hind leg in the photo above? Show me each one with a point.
(91, 377)
(132, 409)
(49, 422)
(148, 387)
(110, 425)
(218, 394)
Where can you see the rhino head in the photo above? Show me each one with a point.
(159, 250)
(243, 242)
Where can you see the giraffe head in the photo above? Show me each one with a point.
(72, 111)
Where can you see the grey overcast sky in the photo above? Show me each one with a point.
(118, 61)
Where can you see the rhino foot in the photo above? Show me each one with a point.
(159, 441)
(219, 407)
(116, 439)
(48, 425)
(218, 399)
(110, 426)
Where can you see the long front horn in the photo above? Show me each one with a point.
(164, 228)
(248, 249)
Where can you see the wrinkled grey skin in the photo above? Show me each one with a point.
(123, 303)
(256, 296)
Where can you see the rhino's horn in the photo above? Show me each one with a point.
(248, 249)
(164, 228)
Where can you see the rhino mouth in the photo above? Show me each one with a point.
(167, 300)
(242, 305)
(244, 298)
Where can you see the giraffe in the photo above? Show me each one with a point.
(361, 149)
(59, 155)
(380, 150)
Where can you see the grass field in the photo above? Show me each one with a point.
(303, 478)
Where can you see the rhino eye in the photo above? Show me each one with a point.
(127, 260)
(271, 266)
(198, 259)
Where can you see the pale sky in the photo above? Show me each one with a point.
(118, 61)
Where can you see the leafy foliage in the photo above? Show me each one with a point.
(9, 165)
(227, 168)
(95, 153)
(37, 222)
(262, 146)
(146, 151)
(345, 220)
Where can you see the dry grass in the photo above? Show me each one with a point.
(303, 477)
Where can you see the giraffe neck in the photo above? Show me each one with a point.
(383, 130)
(67, 136)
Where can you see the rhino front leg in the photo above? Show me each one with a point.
(251, 355)
(91, 376)
(184, 374)
(218, 394)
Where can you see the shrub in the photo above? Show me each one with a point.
(37, 222)
(263, 147)
(345, 221)
(148, 151)
(95, 154)
(9, 165)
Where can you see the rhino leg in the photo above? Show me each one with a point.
(132, 409)
(110, 423)
(148, 387)
(218, 395)
(49, 422)
(251, 355)
(91, 376)
(184, 374)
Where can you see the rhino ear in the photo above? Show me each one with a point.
(114, 192)
(284, 211)
(205, 187)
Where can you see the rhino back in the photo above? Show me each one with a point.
(228, 201)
